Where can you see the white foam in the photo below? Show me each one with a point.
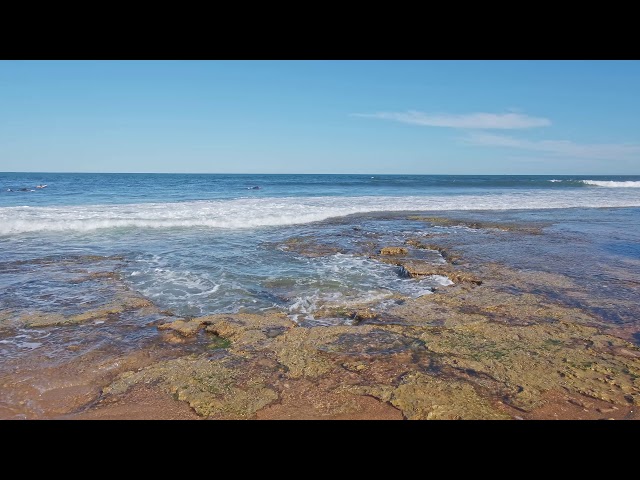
(256, 212)
(207, 292)
(29, 345)
(162, 282)
(350, 280)
(441, 280)
(315, 283)
(612, 184)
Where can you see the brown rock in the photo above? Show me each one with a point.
(422, 397)
(415, 268)
(185, 328)
(231, 387)
(363, 314)
(393, 251)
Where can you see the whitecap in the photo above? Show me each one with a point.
(254, 212)
(612, 184)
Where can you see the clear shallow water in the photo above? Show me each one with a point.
(201, 244)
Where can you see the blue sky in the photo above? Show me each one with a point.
(403, 117)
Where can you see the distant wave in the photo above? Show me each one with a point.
(257, 212)
(566, 182)
(611, 184)
(597, 183)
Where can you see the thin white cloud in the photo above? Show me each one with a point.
(468, 120)
(565, 148)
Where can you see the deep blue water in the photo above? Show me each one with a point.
(107, 188)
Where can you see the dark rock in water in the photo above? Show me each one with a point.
(363, 314)
(449, 256)
(309, 247)
(393, 251)
(505, 227)
(417, 269)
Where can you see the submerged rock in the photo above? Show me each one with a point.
(6, 317)
(478, 225)
(308, 247)
(449, 256)
(418, 269)
(363, 314)
(124, 304)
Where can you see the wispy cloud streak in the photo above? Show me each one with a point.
(504, 121)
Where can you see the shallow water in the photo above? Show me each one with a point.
(204, 244)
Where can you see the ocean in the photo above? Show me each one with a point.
(203, 244)
(92, 264)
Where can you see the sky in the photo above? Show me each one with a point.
(346, 116)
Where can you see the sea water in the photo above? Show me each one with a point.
(205, 244)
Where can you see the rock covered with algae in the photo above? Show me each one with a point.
(472, 367)
(491, 349)
(498, 343)
(424, 397)
(393, 251)
(121, 304)
(227, 387)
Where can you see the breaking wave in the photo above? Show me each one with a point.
(256, 212)
(611, 184)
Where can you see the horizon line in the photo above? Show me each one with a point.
(372, 174)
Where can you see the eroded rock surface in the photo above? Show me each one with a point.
(494, 345)
(393, 251)
(466, 354)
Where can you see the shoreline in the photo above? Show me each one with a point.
(499, 343)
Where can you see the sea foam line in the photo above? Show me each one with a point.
(612, 184)
(252, 212)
